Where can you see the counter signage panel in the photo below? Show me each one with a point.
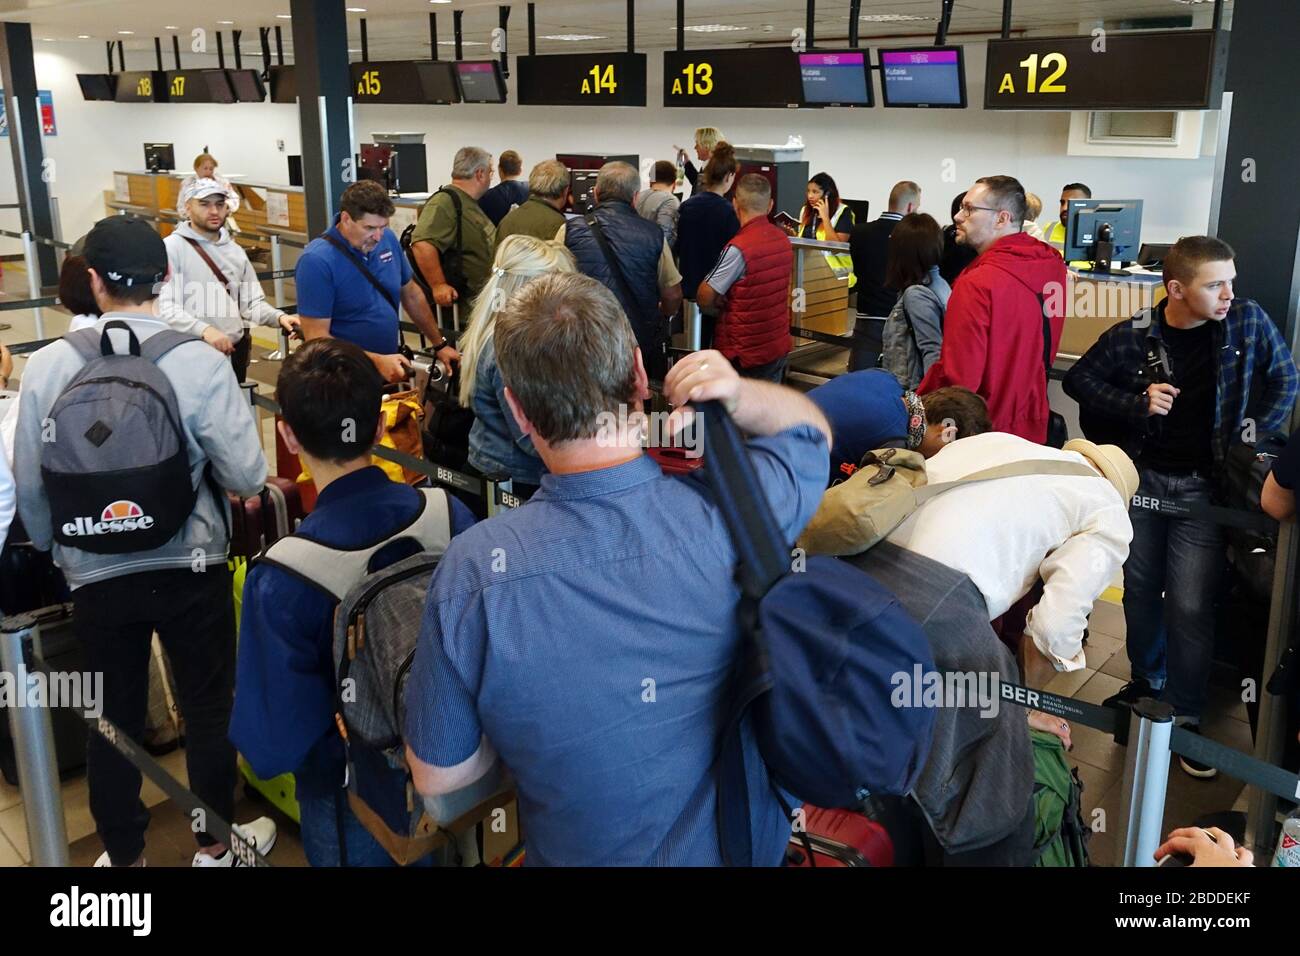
(1159, 70)
(141, 86)
(754, 78)
(199, 86)
(582, 79)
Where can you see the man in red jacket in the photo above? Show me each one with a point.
(993, 328)
(750, 287)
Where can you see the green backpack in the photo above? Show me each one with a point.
(1060, 833)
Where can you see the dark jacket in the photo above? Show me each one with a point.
(499, 200)
(705, 223)
(869, 247)
(636, 244)
(1257, 379)
(993, 333)
(754, 328)
(955, 257)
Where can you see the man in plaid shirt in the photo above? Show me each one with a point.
(1176, 386)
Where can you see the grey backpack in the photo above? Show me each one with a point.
(117, 469)
(376, 629)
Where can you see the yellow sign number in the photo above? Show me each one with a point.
(144, 86)
(1051, 82)
(602, 81)
(699, 80)
(178, 86)
(369, 85)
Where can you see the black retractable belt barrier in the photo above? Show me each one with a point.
(1235, 764)
(1106, 719)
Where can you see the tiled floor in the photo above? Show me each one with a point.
(1101, 761)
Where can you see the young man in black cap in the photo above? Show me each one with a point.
(180, 587)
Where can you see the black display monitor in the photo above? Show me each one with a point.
(1103, 231)
(97, 86)
(480, 81)
(159, 157)
(928, 76)
(248, 85)
(836, 78)
(284, 85)
(438, 81)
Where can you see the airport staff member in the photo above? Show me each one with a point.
(1055, 236)
(352, 278)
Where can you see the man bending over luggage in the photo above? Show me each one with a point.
(121, 468)
(284, 702)
(588, 636)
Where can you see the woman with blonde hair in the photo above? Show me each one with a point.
(706, 140)
(496, 446)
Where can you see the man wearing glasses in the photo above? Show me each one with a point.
(993, 331)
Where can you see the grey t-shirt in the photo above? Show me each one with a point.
(661, 209)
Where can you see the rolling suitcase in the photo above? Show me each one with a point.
(258, 522)
(839, 838)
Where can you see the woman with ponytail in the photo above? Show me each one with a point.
(706, 222)
(496, 446)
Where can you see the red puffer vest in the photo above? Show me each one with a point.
(755, 326)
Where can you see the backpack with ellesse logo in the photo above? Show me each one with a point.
(115, 466)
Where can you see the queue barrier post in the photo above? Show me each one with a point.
(276, 266)
(33, 280)
(1146, 776)
(694, 323)
(32, 731)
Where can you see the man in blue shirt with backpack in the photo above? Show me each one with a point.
(283, 720)
(588, 637)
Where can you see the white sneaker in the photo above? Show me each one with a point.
(105, 861)
(260, 832)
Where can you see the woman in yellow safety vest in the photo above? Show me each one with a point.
(825, 218)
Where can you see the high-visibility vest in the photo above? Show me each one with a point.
(841, 263)
(1055, 237)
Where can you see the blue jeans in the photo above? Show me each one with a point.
(1171, 580)
(320, 834)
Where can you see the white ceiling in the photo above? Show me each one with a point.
(399, 28)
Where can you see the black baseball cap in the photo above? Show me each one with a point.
(127, 251)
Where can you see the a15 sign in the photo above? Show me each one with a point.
(1160, 70)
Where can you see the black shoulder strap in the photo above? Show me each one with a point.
(460, 214)
(594, 225)
(1047, 339)
(363, 268)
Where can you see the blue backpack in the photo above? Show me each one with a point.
(821, 650)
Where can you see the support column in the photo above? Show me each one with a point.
(18, 74)
(320, 48)
(1259, 207)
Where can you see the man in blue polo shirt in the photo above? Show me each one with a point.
(589, 636)
(351, 280)
(283, 717)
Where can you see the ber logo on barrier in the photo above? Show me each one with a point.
(120, 516)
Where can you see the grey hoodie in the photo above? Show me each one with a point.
(192, 299)
(219, 427)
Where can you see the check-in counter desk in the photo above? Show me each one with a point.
(265, 209)
(1091, 304)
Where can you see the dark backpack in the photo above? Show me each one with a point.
(1254, 550)
(821, 649)
(376, 629)
(117, 467)
(452, 259)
